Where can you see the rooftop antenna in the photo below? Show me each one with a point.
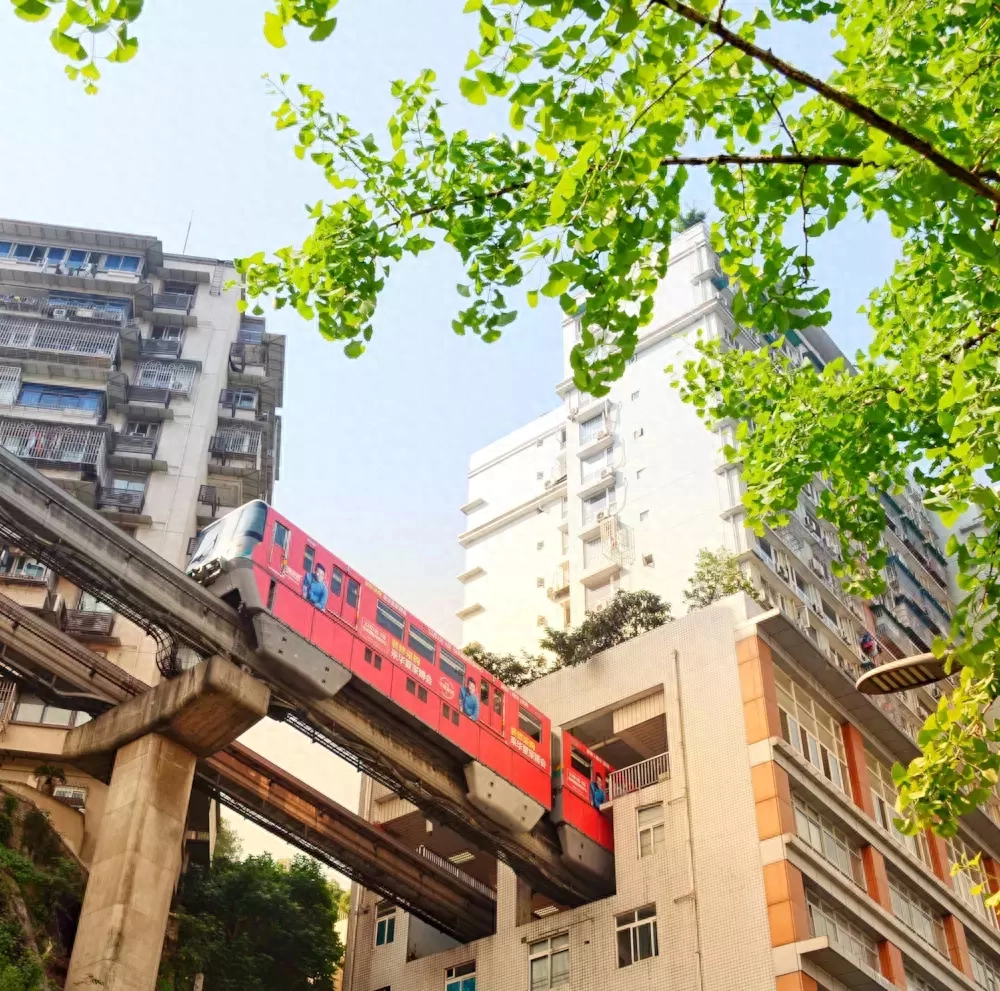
(188, 234)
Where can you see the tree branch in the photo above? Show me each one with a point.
(844, 100)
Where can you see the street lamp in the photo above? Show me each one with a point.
(899, 676)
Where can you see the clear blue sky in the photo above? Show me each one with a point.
(375, 451)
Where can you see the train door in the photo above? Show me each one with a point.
(352, 597)
(529, 737)
(338, 586)
(326, 595)
(285, 598)
(281, 540)
(496, 705)
(455, 723)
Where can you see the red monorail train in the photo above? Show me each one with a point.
(260, 561)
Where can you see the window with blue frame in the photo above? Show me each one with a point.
(5, 247)
(28, 252)
(461, 978)
(61, 397)
(120, 263)
(385, 923)
(55, 255)
(119, 307)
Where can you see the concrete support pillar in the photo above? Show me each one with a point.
(876, 877)
(135, 868)
(772, 800)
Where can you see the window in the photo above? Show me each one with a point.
(590, 428)
(638, 473)
(636, 434)
(461, 978)
(959, 853)
(830, 842)
(580, 763)
(353, 588)
(308, 560)
(5, 247)
(563, 542)
(548, 962)
(422, 644)
(539, 475)
(850, 939)
(135, 428)
(498, 701)
(643, 516)
(484, 693)
(414, 689)
(120, 263)
(636, 935)
(28, 252)
(88, 603)
(592, 553)
(591, 468)
(281, 537)
(635, 395)
(336, 582)
(238, 398)
(32, 709)
(647, 560)
(389, 619)
(61, 397)
(452, 667)
(811, 730)
(71, 795)
(884, 799)
(650, 823)
(602, 502)
(385, 923)
(21, 566)
(917, 915)
(128, 483)
(985, 972)
(539, 583)
(529, 725)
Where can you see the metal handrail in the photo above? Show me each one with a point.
(637, 776)
(448, 866)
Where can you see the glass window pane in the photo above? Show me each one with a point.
(539, 973)
(645, 843)
(560, 941)
(624, 947)
(560, 968)
(29, 711)
(54, 716)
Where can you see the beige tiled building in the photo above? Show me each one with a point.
(755, 848)
(131, 377)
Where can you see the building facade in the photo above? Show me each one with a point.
(754, 840)
(131, 377)
(622, 492)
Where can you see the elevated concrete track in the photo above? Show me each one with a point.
(37, 515)
(64, 671)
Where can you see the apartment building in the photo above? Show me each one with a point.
(754, 840)
(129, 376)
(622, 492)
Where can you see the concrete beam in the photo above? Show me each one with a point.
(202, 710)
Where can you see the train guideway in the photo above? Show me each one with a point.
(901, 675)
(37, 515)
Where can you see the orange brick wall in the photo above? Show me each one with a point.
(772, 800)
(786, 903)
(797, 982)
(958, 946)
(760, 704)
(857, 768)
(891, 963)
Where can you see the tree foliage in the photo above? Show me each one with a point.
(255, 925)
(625, 616)
(716, 575)
(228, 845)
(513, 670)
(579, 204)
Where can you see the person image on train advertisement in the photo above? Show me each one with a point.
(314, 588)
(469, 699)
(597, 794)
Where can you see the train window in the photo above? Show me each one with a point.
(281, 535)
(484, 693)
(529, 725)
(452, 667)
(308, 559)
(411, 686)
(498, 701)
(422, 644)
(389, 619)
(352, 592)
(579, 763)
(421, 693)
(336, 582)
(252, 522)
(371, 657)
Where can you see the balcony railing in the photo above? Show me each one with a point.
(448, 866)
(123, 501)
(176, 377)
(26, 572)
(219, 495)
(156, 348)
(93, 312)
(135, 444)
(242, 354)
(637, 776)
(243, 445)
(173, 301)
(85, 623)
(19, 336)
(45, 445)
(148, 394)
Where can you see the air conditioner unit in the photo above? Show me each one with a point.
(603, 434)
(782, 571)
(602, 515)
(548, 483)
(812, 526)
(574, 411)
(86, 313)
(607, 473)
(60, 313)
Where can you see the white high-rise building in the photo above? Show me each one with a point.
(622, 492)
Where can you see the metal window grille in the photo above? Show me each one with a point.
(177, 377)
(46, 445)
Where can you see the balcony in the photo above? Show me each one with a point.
(447, 865)
(148, 394)
(173, 309)
(891, 634)
(136, 444)
(86, 624)
(602, 478)
(78, 311)
(124, 501)
(638, 776)
(259, 365)
(33, 341)
(559, 586)
(216, 500)
(160, 348)
(235, 444)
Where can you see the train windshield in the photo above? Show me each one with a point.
(235, 535)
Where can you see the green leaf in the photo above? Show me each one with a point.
(472, 90)
(323, 30)
(68, 46)
(274, 30)
(555, 287)
(532, 298)
(31, 10)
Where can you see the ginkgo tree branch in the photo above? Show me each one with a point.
(844, 100)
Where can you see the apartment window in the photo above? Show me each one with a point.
(564, 542)
(564, 508)
(32, 709)
(650, 824)
(539, 443)
(61, 397)
(539, 583)
(647, 560)
(548, 962)
(590, 428)
(594, 597)
(385, 923)
(811, 730)
(830, 842)
(884, 799)
(87, 603)
(461, 978)
(643, 516)
(917, 915)
(602, 502)
(635, 395)
(914, 983)
(959, 853)
(72, 795)
(636, 936)
(20, 566)
(120, 263)
(591, 468)
(636, 434)
(592, 553)
(850, 939)
(137, 428)
(985, 971)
